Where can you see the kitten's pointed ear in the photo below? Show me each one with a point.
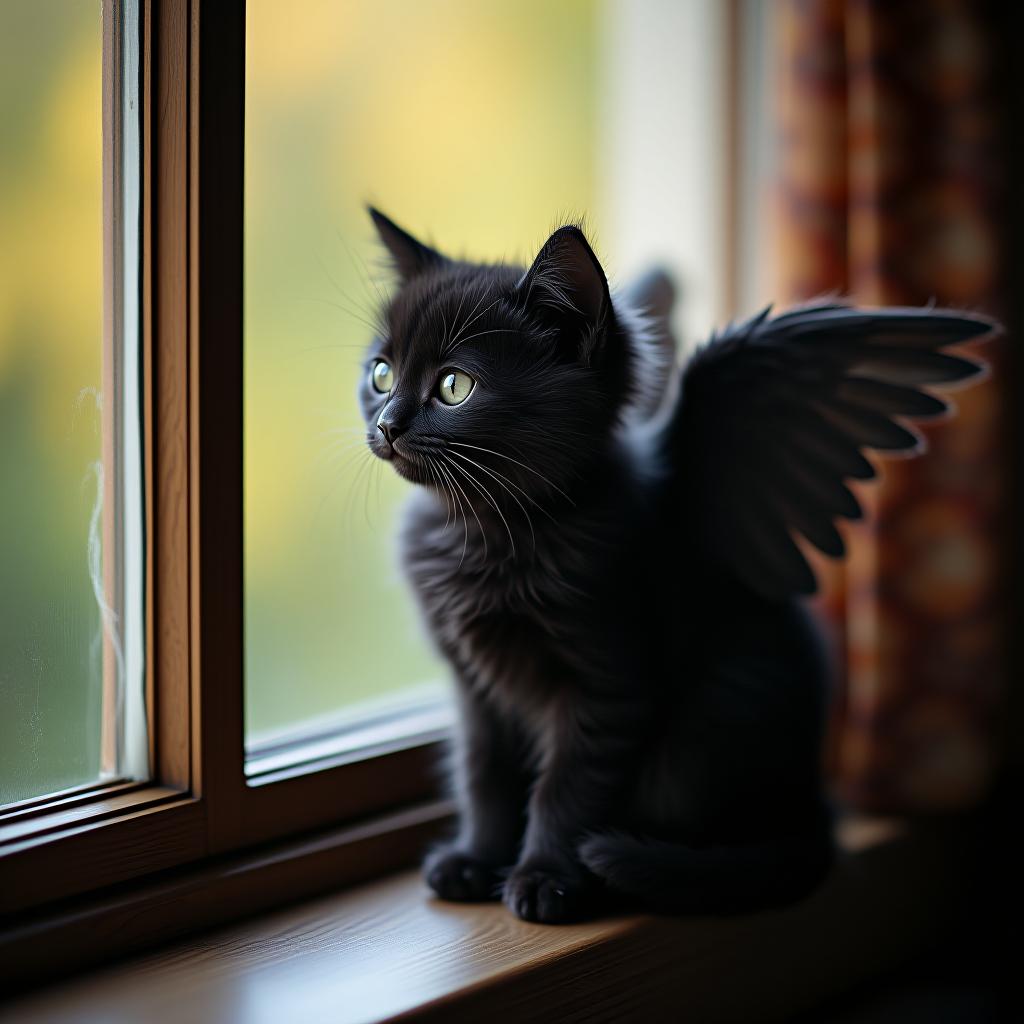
(566, 284)
(409, 256)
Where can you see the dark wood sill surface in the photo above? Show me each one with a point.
(387, 951)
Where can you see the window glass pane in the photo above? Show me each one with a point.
(70, 568)
(469, 122)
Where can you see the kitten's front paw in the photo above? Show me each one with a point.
(455, 875)
(547, 895)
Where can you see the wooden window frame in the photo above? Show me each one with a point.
(199, 802)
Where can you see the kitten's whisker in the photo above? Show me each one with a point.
(501, 455)
(339, 477)
(483, 295)
(472, 507)
(339, 428)
(325, 348)
(505, 483)
(451, 471)
(500, 477)
(375, 313)
(361, 269)
(373, 323)
(342, 443)
(337, 447)
(469, 323)
(465, 473)
(449, 492)
(349, 312)
(357, 481)
(336, 462)
(440, 486)
(479, 334)
(333, 451)
(367, 488)
(449, 501)
(478, 487)
(462, 512)
(444, 332)
(377, 473)
(529, 521)
(455, 319)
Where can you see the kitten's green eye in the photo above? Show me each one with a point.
(454, 387)
(381, 377)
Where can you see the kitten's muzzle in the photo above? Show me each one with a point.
(391, 431)
(393, 420)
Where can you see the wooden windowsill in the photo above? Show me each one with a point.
(387, 951)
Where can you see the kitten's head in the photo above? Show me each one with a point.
(495, 379)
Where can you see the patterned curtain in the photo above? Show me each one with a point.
(892, 192)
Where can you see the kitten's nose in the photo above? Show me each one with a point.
(391, 431)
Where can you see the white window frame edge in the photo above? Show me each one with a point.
(122, 611)
(670, 122)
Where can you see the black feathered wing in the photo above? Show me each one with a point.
(773, 416)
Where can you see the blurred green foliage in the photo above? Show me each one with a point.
(470, 123)
(50, 363)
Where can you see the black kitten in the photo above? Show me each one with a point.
(602, 549)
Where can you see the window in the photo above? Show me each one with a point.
(71, 674)
(94, 755)
(248, 658)
(154, 264)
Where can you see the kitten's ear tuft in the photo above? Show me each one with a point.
(409, 256)
(566, 281)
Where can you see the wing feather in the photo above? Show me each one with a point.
(826, 447)
(800, 508)
(775, 414)
(889, 399)
(866, 428)
(915, 367)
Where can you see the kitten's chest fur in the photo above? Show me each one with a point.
(518, 628)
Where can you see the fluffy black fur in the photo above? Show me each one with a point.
(602, 550)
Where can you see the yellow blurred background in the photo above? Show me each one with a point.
(477, 125)
(51, 305)
(472, 124)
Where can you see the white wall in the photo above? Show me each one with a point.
(664, 185)
(756, 156)
(662, 155)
